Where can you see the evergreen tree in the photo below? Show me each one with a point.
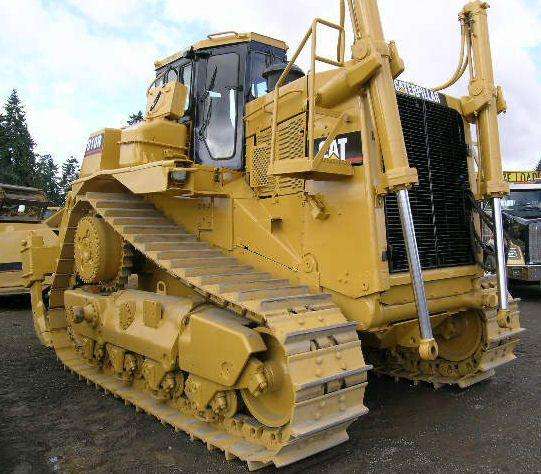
(46, 178)
(18, 158)
(69, 173)
(19, 164)
(135, 118)
(538, 166)
(4, 158)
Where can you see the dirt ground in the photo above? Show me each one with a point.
(51, 421)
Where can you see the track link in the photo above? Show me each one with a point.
(324, 355)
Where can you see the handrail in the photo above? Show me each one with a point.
(314, 57)
(223, 34)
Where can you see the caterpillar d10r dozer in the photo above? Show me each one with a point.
(221, 262)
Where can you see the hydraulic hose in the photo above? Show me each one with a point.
(464, 60)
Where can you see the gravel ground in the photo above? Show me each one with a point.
(51, 421)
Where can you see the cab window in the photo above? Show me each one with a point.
(219, 127)
(185, 78)
(260, 61)
(170, 76)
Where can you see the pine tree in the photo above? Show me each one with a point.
(4, 158)
(46, 178)
(69, 173)
(135, 118)
(21, 166)
(18, 157)
(538, 166)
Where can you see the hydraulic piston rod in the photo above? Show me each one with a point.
(485, 102)
(428, 348)
(500, 254)
(482, 106)
(399, 176)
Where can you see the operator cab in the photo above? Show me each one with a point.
(222, 74)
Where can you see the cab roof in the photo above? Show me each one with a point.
(222, 39)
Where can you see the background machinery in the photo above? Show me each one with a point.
(22, 210)
(271, 221)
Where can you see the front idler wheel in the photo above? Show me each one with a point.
(273, 407)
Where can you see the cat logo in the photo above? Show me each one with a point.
(345, 147)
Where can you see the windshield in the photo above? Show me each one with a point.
(523, 201)
(220, 105)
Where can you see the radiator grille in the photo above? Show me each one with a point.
(436, 146)
(535, 243)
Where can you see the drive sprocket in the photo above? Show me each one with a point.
(102, 257)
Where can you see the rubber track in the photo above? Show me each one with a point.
(329, 388)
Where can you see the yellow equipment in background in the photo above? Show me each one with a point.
(22, 210)
(273, 221)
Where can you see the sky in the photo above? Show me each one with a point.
(81, 65)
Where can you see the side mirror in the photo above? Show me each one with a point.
(167, 102)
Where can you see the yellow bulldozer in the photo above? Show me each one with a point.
(238, 262)
(22, 210)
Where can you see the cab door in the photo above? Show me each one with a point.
(219, 128)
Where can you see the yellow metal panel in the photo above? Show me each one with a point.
(229, 341)
(152, 141)
(102, 151)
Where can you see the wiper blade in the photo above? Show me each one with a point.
(208, 113)
(206, 122)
